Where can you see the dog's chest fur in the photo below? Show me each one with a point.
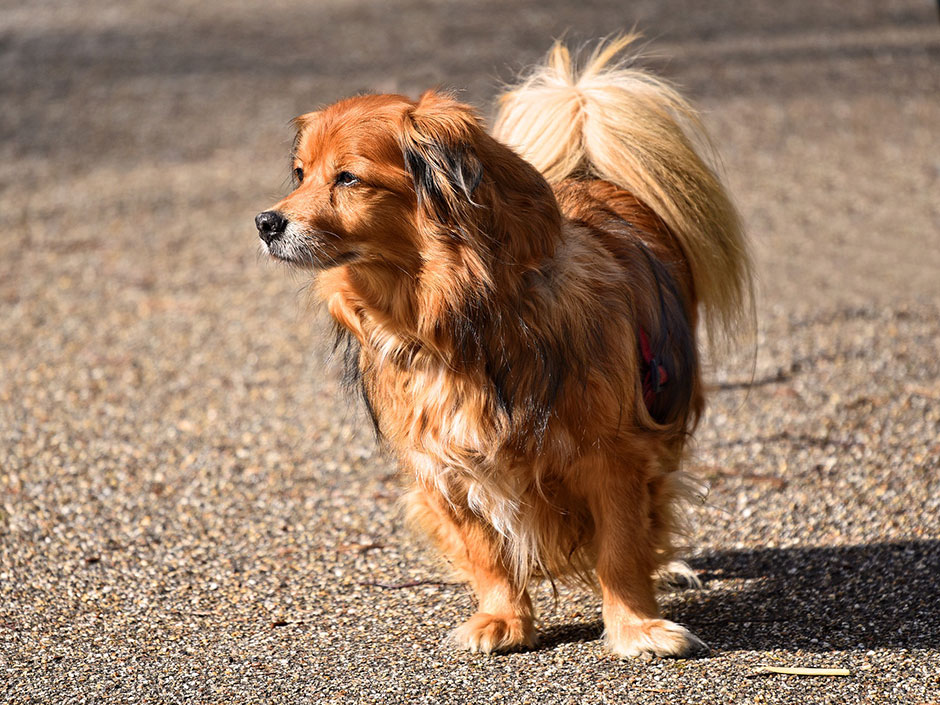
(427, 411)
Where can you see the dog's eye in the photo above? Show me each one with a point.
(298, 174)
(344, 178)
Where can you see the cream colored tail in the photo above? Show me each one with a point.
(609, 121)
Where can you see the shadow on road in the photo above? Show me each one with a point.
(870, 596)
(874, 596)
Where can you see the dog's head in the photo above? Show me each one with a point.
(386, 183)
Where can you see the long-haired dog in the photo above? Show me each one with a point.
(523, 311)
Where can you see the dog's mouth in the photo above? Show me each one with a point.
(308, 250)
(311, 260)
(337, 260)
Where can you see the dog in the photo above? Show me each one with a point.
(521, 311)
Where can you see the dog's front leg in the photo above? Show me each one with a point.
(620, 503)
(504, 618)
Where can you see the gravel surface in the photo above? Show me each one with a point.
(192, 512)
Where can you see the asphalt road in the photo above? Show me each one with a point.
(192, 512)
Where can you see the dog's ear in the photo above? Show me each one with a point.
(438, 145)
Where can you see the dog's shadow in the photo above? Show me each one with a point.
(880, 595)
(571, 633)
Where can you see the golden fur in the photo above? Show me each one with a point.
(494, 316)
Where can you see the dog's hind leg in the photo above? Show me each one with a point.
(504, 618)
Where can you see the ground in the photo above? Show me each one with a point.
(191, 511)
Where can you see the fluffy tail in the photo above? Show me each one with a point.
(609, 121)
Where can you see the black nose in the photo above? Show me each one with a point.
(271, 225)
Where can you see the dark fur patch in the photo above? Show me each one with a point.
(445, 177)
(672, 342)
(528, 401)
(347, 347)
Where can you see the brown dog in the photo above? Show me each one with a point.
(527, 350)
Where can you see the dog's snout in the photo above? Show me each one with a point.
(271, 225)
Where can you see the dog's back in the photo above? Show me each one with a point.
(615, 123)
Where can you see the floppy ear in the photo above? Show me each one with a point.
(438, 145)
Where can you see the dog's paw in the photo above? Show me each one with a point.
(658, 637)
(487, 633)
(677, 575)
